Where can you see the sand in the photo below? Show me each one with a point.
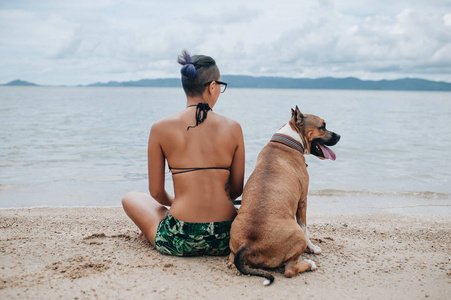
(93, 253)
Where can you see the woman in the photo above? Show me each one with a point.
(206, 158)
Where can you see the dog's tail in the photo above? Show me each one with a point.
(247, 270)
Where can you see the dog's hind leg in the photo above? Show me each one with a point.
(231, 259)
(293, 267)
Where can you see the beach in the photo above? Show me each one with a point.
(93, 253)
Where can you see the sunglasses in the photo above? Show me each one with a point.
(223, 85)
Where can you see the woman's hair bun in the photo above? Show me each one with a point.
(188, 70)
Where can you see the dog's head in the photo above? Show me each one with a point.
(313, 133)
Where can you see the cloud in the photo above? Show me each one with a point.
(377, 46)
(229, 15)
(82, 42)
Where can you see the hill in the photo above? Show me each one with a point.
(239, 81)
(350, 83)
(19, 82)
(162, 82)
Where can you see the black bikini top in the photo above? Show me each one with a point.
(185, 170)
(201, 114)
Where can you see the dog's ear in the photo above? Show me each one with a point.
(296, 115)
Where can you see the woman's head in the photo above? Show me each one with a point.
(197, 71)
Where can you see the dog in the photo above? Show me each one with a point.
(270, 229)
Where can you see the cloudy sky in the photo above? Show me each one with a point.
(85, 41)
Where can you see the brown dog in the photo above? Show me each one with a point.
(270, 229)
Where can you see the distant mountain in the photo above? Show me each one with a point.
(350, 83)
(163, 82)
(238, 81)
(20, 83)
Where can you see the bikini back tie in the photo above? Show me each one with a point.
(201, 113)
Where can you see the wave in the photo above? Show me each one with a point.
(366, 193)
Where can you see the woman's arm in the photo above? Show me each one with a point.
(156, 165)
(237, 168)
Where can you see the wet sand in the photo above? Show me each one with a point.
(93, 253)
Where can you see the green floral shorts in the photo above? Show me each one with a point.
(175, 237)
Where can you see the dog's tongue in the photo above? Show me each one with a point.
(328, 153)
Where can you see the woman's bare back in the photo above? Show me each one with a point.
(202, 195)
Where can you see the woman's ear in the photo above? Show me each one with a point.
(211, 87)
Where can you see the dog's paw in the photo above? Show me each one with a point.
(312, 249)
(316, 250)
(314, 266)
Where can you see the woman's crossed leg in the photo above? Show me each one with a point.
(145, 212)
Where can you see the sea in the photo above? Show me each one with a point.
(87, 146)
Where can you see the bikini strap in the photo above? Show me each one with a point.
(201, 113)
(186, 170)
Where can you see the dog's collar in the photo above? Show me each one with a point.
(287, 141)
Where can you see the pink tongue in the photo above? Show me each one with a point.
(329, 154)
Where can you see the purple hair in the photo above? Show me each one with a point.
(196, 71)
(188, 70)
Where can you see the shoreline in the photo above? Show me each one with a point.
(321, 205)
(86, 253)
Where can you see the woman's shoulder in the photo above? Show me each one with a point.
(227, 121)
(229, 125)
(164, 126)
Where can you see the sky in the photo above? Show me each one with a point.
(84, 41)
